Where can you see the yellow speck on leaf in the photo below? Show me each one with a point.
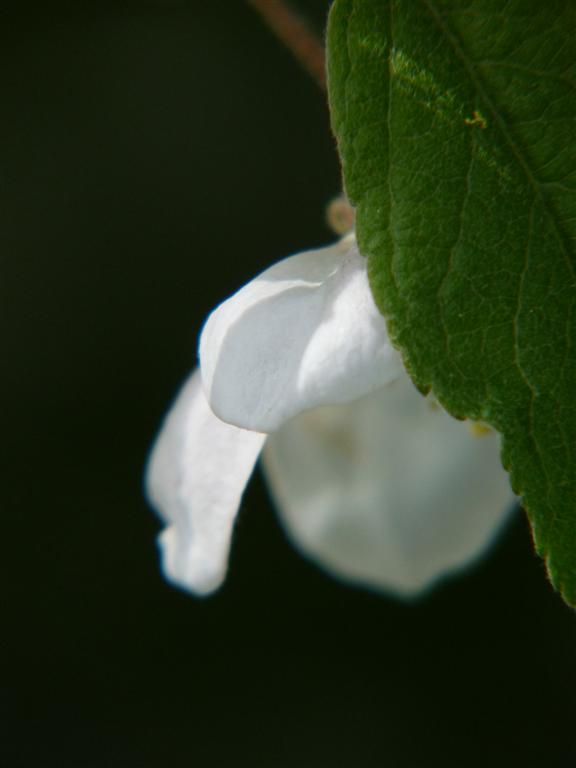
(476, 119)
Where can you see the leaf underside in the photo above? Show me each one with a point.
(456, 128)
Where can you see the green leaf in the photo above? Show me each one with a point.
(456, 128)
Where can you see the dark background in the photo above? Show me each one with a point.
(155, 156)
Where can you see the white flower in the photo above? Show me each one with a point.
(371, 480)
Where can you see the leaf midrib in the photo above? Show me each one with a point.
(535, 184)
(538, 192)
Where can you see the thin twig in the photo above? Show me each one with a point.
(288, 27)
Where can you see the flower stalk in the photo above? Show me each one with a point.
(306, 47)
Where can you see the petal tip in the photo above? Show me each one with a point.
(185, 568)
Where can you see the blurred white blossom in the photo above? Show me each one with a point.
(371, 480)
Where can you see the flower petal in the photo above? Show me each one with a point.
(196, 475)
(388, 491)
(306, 332)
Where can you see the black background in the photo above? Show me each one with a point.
(155, 156)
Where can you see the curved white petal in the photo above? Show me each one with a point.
(388, 491)
(196, 475)
(306, 332)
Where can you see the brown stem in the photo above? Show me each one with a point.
(296, 36)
